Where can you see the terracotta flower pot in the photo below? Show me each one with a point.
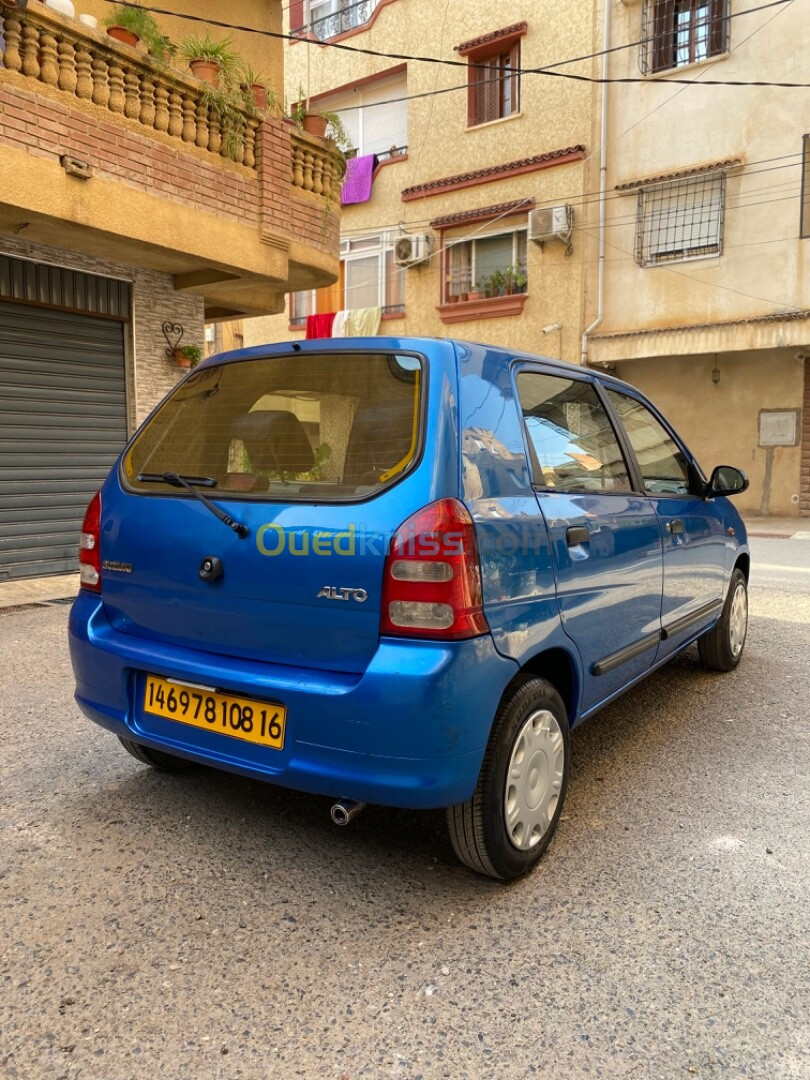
(259, 96)
(126, 37)
(452, 298)
(314, 124)
(205, 70)
(475, 294)
(181, 360)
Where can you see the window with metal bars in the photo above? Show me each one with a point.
(494, 86)
(681, 220)
(680, 32)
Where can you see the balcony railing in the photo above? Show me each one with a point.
(347, 17)
(82, 62)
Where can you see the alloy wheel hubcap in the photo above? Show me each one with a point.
(738, 620)
(534, 780)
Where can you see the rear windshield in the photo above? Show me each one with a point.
(306, 426)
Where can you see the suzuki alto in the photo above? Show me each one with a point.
(399, 571)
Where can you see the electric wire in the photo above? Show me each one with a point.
(549, 71)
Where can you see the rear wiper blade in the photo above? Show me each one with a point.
(188, 482)
(176, 479)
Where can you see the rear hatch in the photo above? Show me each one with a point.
(305, 454)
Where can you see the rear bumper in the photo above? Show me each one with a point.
(410, 731)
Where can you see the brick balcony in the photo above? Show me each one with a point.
(156, 184)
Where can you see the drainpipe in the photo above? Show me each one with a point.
(600, 288)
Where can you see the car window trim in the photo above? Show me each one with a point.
(692, 464)
(318, 497)
(521, 365)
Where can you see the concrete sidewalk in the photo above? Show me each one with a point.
(63, 586)
(779, 527)
(38, 590)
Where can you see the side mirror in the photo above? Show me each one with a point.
(726, 480)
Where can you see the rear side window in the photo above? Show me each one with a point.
(571, 441)
(336, 426)
(663, 466)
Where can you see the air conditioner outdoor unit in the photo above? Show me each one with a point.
(551, 223)
(410, 250)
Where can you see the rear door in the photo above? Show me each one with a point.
(313, 454)
(691, 527)
(604, 535)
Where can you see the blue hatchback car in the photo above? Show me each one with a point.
(398, 571)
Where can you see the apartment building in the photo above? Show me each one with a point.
(127, 220)
(707, 232)
(459, 157)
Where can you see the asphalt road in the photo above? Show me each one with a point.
(206, 926)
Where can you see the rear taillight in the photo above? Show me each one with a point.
(89, 554)
(432, 578)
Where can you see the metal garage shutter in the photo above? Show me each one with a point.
(62, 424)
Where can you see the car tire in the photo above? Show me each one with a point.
(156, 758)
(506, 826)
(721, 648)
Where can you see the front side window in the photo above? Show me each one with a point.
(326, 426)
(680, 32)
(572, 444)
(664, 468)
(494, 265)
(680, 220)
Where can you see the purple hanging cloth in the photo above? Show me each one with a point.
(359, 178)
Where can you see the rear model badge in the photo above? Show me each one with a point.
(331, 592)
(119, 567)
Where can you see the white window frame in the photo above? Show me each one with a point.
(363, 247)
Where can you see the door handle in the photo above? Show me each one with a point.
(675, 527)
(576, 534)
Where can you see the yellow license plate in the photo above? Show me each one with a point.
(257, 722)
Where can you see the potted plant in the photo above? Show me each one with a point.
(255, 91)
(161, 47)
(315, 122)
(211, 61)
(497, 283)
(515, 280)
(477, 291)
(188, 356)
(130, 23)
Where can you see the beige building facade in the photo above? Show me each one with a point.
(707, 248)
(129, 219)
(466, 150)
(704, 275)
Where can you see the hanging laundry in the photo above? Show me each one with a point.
(358, 180)
(320, 326)
(363, 322)
(339, 325)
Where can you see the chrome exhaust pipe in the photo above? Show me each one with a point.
(346, 810)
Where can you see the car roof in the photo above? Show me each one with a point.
(408, 344)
